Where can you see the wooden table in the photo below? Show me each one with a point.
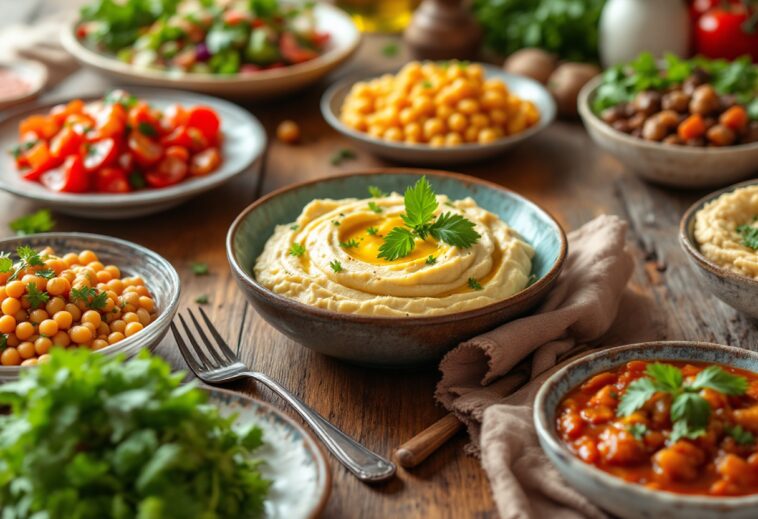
(560, 169)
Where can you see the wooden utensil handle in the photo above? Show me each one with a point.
(418, 448)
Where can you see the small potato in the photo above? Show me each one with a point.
(566, 82)
(534, 63)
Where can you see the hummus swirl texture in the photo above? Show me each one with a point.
(716, 231)
(340, 270)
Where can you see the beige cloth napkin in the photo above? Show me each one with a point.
(588, 307)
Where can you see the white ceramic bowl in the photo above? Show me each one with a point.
(738, 291)
(293, 461)
(344, 41)
(624, 499)
(33, 73)
(423, 154)
(133, 260)
(243, 146)
(669, 165)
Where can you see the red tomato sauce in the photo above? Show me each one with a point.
(722, 458)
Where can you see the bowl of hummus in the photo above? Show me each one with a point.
(719, 233)
(393, 267)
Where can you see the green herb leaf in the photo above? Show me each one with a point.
(635, 396)
(397, 244)
(202, 299)
(348, 244)
(474, 284)
(336, 223)
(147, 129)
(420, 204)
(38, 222)
(294, 227)
(336, 266)
(681, 429)
(431, 260)
(374, 207)
(199, 268)
(6, 263)
(372, 231)
(715, 378)
(692, 408)
(665, 376)
(136, 180)
(3, 341)
(342, 155)
(455, 230)
(296, 250)
(45, 274)
(740, 435)
(749, 235)
(36, 297)
(638, 430)
(375, 192)
(391, 50)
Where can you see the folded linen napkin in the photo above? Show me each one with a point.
(589, 306)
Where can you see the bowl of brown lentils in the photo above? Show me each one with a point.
(682, 123)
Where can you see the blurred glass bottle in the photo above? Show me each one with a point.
(385, 16)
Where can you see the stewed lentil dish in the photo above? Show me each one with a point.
(695, 102)
(439, 104)
(51, 301)
(684, 427)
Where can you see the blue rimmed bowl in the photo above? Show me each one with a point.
(296, 465)
(390, 341)
(133, 260)
(622, 498)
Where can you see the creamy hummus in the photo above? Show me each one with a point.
(717, 234)
(352, 279)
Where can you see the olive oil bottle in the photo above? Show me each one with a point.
(383, 16)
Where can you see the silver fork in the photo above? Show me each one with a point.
(224, 366)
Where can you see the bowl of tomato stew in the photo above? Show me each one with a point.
(663, 429)
(125, 154)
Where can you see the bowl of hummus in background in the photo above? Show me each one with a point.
(20, 81)
(305, 258)
(716, 235)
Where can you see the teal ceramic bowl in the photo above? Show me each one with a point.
(390, 341)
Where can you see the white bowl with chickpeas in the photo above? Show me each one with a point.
(85, 290)
(438, 113)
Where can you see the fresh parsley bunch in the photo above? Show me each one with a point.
(420, 206)
(91, 436)
(690, 412)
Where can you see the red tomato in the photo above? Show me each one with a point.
(178, 152)
(171, 170)
(100, 154)
(80, 123)
(65, 143)
(723, 33)
(110, 121)
(233, 17)
(146, 152)
(145, 119)
(61, 112)
(43, 126)
(112, 180)
(126, 161)
(320, 39)
(174, 116)
(68, 178)
(292, 51)
(178, 137)
(205, 162)
(206, 120)
(39, 159)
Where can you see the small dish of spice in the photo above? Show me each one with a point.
(20, 81)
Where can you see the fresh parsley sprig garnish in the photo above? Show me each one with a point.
(420, 206)
(28, 257)
(372, 231)
(474, 284)
(739, 434)
(690, 412)
(200, 268)
(90, 297)
(374, 207)
(336, 266)
(375, 192)
(749, 235)
(431, 260)
(349, 244)
(36, 297)
(638, 430)
(34, 223)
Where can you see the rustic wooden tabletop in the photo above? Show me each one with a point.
(560, 169)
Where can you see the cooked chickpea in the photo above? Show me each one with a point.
(55, 305)
(133, 328)
(63, 319)
(15, 289)
(26, 350)
(115, 337)
(10, 306)
(91, 316)
(74, 310)
(7, 324)
(29, 362)
(80, 334)
(37, 316)
(86, 257)
(48, 327)
(99, 344)
(61, 339)
(425, 103)
(288, 132)
(24, 330)
(10, 357)
(42, 345)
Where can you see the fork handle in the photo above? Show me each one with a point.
(365, 464)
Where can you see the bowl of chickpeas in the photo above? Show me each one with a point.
(80, 290)
(436, 113)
